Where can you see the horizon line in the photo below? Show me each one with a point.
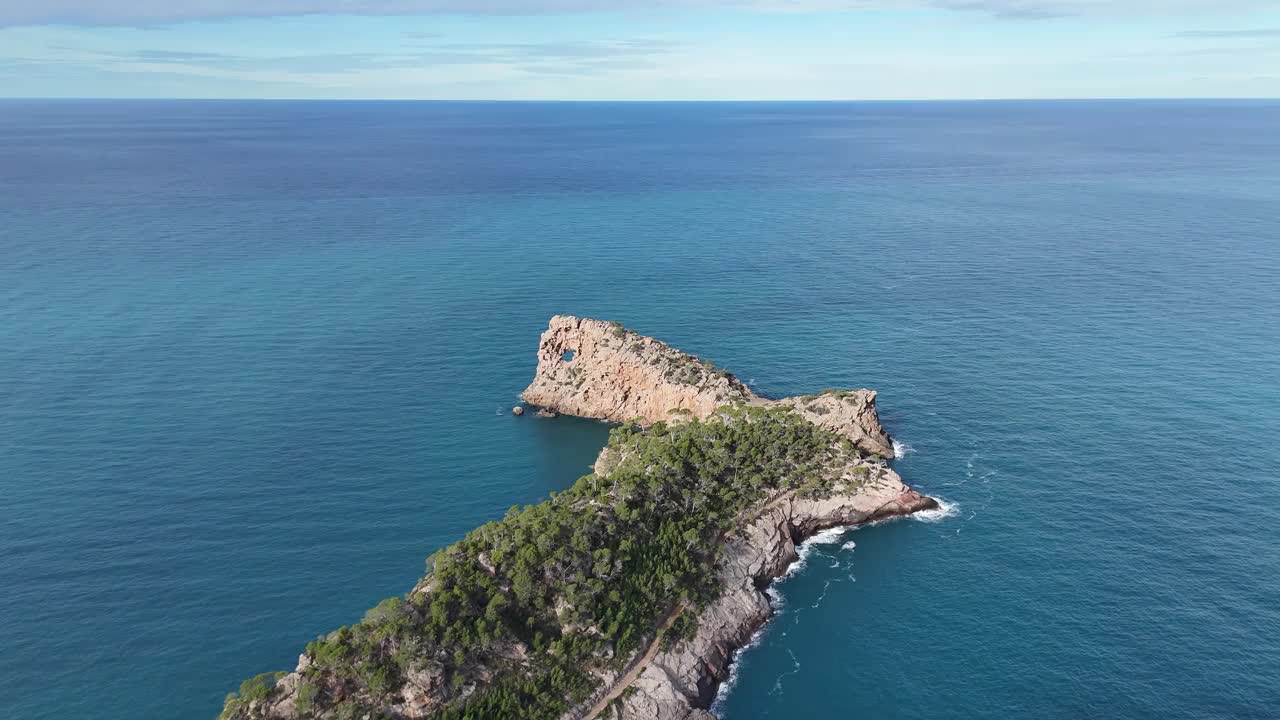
(1117, 98)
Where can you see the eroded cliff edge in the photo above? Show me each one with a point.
(627, 594)
(598, 369)
(680, 681)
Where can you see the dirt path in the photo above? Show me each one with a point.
(621, 684)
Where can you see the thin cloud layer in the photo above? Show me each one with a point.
(159, 12)
(558, 58)
(1230, 34)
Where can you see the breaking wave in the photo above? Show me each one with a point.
(806, 548)
(735, 662)
(829, 536)
(944, 510)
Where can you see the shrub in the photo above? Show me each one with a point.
(305, 698)
(259, 687)
(383, 611)
(684, 628)
(581, 581)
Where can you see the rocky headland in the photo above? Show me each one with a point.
(626, 595)
(596, 369)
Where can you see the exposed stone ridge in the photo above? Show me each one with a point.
(598, 369)
(681, 683)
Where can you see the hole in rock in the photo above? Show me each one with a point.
(568, 355)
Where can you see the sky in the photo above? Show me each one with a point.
(640, 49)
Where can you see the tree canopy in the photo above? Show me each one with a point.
(511, 620)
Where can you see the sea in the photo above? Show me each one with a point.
(257, 362)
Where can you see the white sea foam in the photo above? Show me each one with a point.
(778, 601)
(944, 510)
(849, 545)
(795, 668)
(726, 687)
(900, 449)
(973, 472)
(775, 598)
(825, 537)
(825, 587)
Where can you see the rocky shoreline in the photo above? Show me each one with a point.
(682, 683)
(601, 370)
(696, 505)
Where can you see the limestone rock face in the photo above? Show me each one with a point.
(597, 369)
(851, 413)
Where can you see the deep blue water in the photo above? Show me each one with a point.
(255, 362)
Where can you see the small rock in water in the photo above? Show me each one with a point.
(517, 410)
(546, 413)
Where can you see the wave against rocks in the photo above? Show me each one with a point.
(601, 370)
(682, 683)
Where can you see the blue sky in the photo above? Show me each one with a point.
(643, 49)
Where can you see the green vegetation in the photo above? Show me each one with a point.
(690, 370)
(304, 701)
(831, 392)
(258, 687)
(511, 620)
(684, 628)
(677, 367)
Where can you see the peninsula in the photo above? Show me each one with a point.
(626, 595)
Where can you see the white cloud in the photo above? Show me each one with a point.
(156, 12)
(550, 58)
(1246, 34)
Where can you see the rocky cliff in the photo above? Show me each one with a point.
(681, 682)
(627, 594)
(602, 370)
(597, 369)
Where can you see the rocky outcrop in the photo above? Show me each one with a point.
(681, 683)
(851, 413)
(597, 369)
(600, 370)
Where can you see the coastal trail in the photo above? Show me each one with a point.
(623, 682)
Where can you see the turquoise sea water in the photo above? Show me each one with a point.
(256, 362)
